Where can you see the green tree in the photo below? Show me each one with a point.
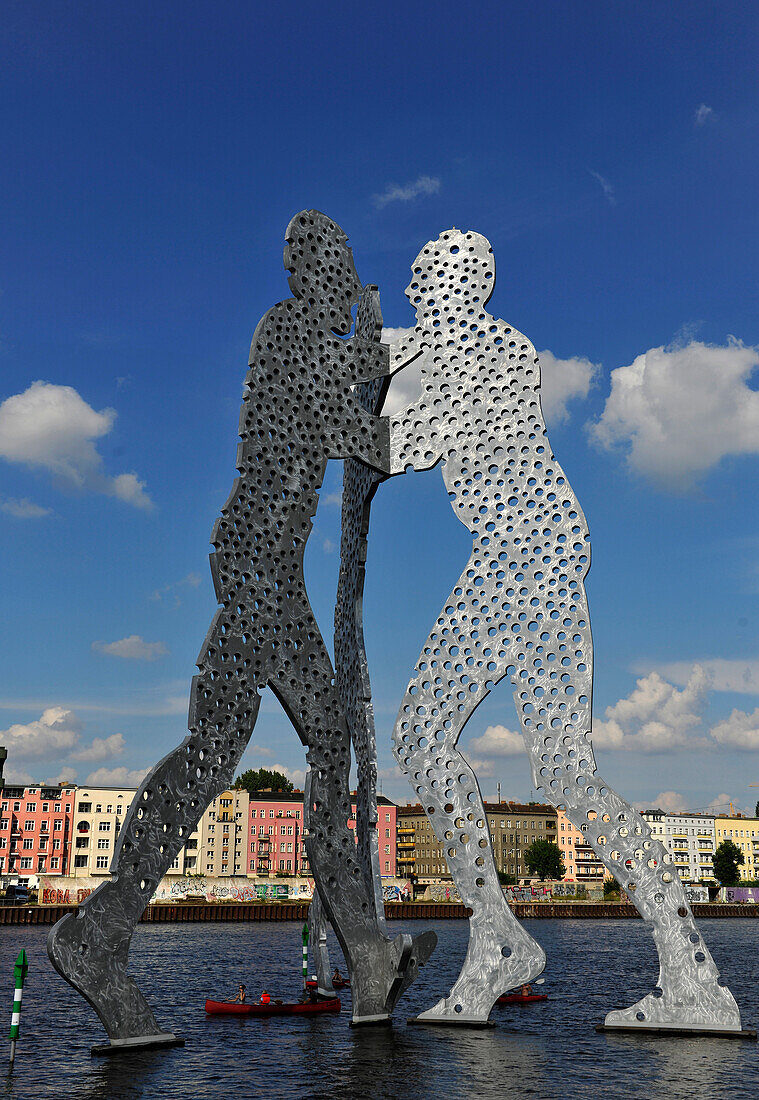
(543, 858)
(727, 859)
(262, 780)
(506, 879)
(611, 886)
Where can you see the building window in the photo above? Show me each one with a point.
(109, 809)
(54, 863)
(28, 826)
(98, 808)
(31, 807)
(85, 807)
(26, 863)
(104, 827)
(56, 844)
(28, 842)
(4, 823)
(101, 862)
(103, 843)
(57, 825)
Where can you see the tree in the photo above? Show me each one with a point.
(506, 879)
(727, 859)
(262, 780)
(543, 858)
(611, 886)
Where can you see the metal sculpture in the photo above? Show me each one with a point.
(298, 412)
(518, 610)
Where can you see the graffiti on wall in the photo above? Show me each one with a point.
(61, 891)
(397, 891)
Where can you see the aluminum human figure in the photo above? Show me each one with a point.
(299, 411)
(518, 610)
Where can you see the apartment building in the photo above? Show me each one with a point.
(744, 832)
(276, 844)
(36, 826)
(98, 817)
(513, 827)
(580, 860)
(222, 836)
(690, 839)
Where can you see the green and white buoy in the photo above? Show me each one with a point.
(19, 972)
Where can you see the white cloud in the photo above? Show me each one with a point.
(116, 777)
(703, 115)
(328, 546)
(655, 717)
(101, 748)
(192, 580)
(739, 731)
(132, 648)
(55, 732)
(738, 675)
(680, 411)
(669, 801)
(65, 775)
(16, 777)
(422, 185)
(606, 187)
(332, 498)
(52, 428)
(562, 381)
(498, 741)
(260, 750)
(24, 509)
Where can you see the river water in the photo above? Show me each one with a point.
(547, 1050)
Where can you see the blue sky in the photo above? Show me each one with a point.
(153, 156)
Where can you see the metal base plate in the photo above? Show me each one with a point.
(140, 1042)
(679, 1031)
(444, 1021)
(372, 1021)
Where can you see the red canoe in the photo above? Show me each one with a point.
(521, 998)
(341, 983)
(225, 1008)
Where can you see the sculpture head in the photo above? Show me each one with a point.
(456, 270)
(321, 267)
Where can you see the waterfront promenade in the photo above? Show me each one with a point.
(193, 912)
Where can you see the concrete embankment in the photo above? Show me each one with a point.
(298, 911)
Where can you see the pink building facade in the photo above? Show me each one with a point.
(581, 862)
(36, 825)
(275, 840)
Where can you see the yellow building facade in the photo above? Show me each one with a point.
(744, 833)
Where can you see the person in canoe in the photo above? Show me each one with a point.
(265, 998)
(337, 976)
(240, 998)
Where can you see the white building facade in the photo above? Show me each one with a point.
(690, 838)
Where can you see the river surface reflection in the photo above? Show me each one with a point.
(547, 1051)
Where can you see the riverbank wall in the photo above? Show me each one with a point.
(167, 913)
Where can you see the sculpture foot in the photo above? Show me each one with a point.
(377, 984)
(486, 974)
(89, 949)
(712, 1008)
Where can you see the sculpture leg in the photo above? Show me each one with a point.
(501, 954)
(380, 968)
(90, 949)
(317, 934)
(689, 994)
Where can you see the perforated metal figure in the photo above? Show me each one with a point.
(299, 411)
(518, 610)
